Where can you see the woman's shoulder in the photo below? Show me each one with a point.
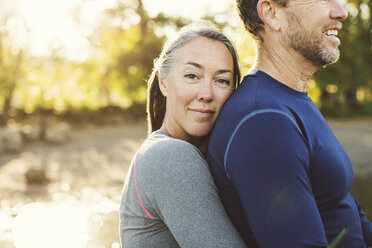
(160, 152)
(160, 144)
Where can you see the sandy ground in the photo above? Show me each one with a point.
(356, 138)
(78, 208)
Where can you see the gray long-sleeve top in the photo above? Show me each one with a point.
(170, 199)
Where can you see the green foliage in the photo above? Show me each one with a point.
(124, 46)
(346, 86)
(361, 191)
(115, 75)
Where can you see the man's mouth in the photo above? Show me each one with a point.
(331, 32)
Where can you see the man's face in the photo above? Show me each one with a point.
(313, 27)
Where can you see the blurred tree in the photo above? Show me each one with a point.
(230, 24)
(125, 44)
(9, 76)
(340, 83)
(129, 44)
(11, 63)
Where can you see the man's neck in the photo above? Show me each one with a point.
(285, 65)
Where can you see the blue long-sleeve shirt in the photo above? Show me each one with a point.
(283, 176)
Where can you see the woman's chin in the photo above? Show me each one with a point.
(200, 131)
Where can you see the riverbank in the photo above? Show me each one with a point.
(78, 205)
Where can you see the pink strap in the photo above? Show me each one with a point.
(138, 194)
(206, 162)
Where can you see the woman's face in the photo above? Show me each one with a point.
(199, 83)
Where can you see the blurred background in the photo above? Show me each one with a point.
(72, 107)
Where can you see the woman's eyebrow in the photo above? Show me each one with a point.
(194, 64)
(201, 67)
(223, 71)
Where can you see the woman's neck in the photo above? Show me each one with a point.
(199, 142)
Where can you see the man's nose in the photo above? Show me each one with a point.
(338, 12)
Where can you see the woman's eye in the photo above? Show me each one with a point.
(224, 82)
(191, 76)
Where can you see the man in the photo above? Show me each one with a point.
(283, 176)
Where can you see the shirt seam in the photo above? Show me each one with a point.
(246, 118)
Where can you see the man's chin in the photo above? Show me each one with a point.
(327, 58)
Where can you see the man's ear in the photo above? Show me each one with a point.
(268, 13)
(162, 84)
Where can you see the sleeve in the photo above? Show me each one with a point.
(267, 162)
(186, 199)
(366, 226)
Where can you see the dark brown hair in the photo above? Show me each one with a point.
(247, 10)
(155, 99)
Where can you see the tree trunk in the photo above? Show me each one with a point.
(324, 96)
(12, 83)
(7, 105)
(144, 19)
(351, 99)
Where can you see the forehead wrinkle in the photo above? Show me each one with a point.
(305, 5)
(220, 71)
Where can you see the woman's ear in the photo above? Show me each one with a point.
(268, 12)
(162, 84)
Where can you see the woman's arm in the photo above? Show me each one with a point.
(185, 197)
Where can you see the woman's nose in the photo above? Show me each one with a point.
(205, 93)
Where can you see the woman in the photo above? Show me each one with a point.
(169, 197)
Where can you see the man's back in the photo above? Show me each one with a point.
(276, 162)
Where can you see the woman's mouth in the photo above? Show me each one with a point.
(202, 112)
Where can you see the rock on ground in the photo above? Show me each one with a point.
(31, 133)
(11, 139)
(58, 134)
